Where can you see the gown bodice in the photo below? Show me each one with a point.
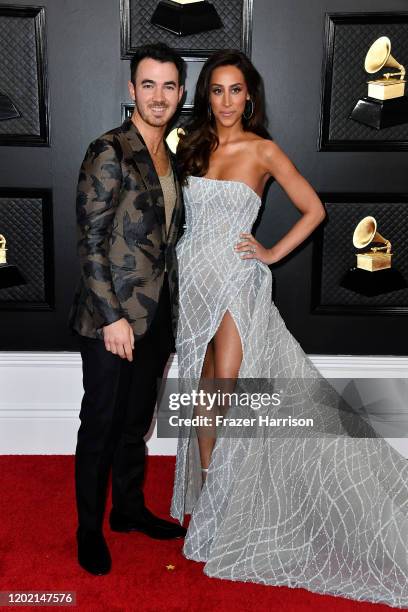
(215, 207)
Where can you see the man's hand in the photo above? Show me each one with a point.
(119, 339)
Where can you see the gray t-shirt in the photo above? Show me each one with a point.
(169, 194)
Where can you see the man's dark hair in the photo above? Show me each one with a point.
(161, 53)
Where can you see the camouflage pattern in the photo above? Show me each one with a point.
(122, 242)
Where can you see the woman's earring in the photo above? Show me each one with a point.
(209, 112)
(249, 109)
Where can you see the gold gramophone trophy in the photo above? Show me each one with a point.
(3, 250)
(173, 138)
(377, 257)
(385, 104)
(9, 274)
(184, 17)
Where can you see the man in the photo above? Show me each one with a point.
(128, 211)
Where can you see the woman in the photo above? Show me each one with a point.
(328, 510)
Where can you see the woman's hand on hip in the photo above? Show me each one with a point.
(250, 248)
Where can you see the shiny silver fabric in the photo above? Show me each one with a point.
(327, 512)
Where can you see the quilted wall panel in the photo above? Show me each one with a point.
(338, 251)
(18, 66)
(23, 76)
(232, 35)
(348, 78)
(28, 244)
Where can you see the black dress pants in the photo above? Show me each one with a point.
(116, 413)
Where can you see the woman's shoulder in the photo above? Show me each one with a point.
(253, 139)
(271, 153)
(264, 149)
(266, 144)
(267, 155)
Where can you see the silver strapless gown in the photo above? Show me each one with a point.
(327, 512)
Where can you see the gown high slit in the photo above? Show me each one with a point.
(327, 511)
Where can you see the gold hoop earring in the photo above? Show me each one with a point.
(209, 112)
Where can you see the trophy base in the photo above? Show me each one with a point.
(10, 276)
(374, 261)
(7, 108)
(381, 114)
(370, 285)
(185, 19)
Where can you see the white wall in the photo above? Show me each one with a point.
(40, 396)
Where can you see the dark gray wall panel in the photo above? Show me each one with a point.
(87, 82)
(288, 42)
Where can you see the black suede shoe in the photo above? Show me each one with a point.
(93, 552)
(147, 523)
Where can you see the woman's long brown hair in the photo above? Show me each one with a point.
(200, 140)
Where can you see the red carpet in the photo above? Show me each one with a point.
(37, 552)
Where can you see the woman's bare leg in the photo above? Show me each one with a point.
(222, 361)
(227, 349)
(206, 435)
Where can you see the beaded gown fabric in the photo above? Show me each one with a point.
(326, 511)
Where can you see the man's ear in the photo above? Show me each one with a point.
(131, 88)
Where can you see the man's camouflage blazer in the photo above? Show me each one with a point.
(122, 243)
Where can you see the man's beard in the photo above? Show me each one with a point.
(150, 119)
